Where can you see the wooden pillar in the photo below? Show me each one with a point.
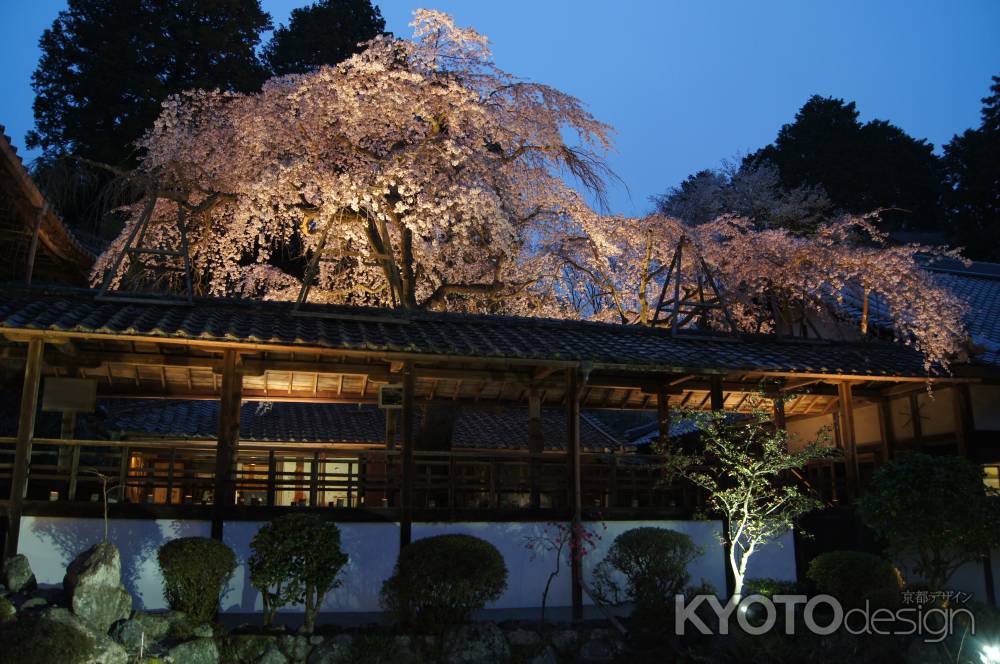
(886, 430)
(228, 440)
(848, 436)
(408, 469)
(22, 451)
(536, 442)
(576, 491)
(663, 418)
(779, 411)
(718, 399)
(964, 426)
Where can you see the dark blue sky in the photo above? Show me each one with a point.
(686, 84)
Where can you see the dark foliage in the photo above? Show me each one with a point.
(107, 66)
(195, 573)
(33, 639)
(854, 576)
(972, 164)
(439, 581)
(323, 33)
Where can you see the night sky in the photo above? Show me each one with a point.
(686, 84)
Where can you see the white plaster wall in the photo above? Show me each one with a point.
(866, 425)
(937, 412)
(902, 418)
(807, 430)
(52, 542)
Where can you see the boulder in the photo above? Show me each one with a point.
(17, 575)
(106, 650)
(7, 610)
(251, 647)
(523, 638)
(272, 656)
(198, 651)
(334, 650)
(601, 646)
(564, 641)
(33, 603)
(476, 643)
(93, 586)
(546, 655)
(141, 630)
(294, 646)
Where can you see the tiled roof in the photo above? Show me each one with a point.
(979, 286)
(475, 428)
(452, 334)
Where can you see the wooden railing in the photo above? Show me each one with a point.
(181, 472)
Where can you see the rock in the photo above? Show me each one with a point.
(204, 631)
(17, 575)
(106, 650)
(93, 586)
(33, 603)
(334, 650)
(272, 656)
(546, 656)
(251, 647)
(600, 647)
(521, 638)
(315, 640)
(564, 641)
(142, 629)
(294, 646)
(198, 651)
(477, 643)
(7, 610)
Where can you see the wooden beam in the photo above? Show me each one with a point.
(848, 435)
(228, 440)
(536, 441)
(408, 467)
(715, 392)
(888, 434)
(663, 418)
(22, 451)
(964, 426)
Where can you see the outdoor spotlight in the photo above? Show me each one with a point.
(990, 655)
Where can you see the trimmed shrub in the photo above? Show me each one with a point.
(32, 639)
(653, 563)
(296, 559)
(439, 581)
(854, 576)
(195, 573)
(769, 587)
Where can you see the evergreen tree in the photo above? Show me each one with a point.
(972, 171)
(324, 33)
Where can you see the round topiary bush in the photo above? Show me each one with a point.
(439, 581)
(195, 573)
(854, 576)
(647, 567)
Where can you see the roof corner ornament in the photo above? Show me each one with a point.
(688, 301)
(151, 274)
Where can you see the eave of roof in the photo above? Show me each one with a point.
(453, 336)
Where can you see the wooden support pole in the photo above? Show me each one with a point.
(663, 418)
(964, 426)
(715, 391)
(886, 429)
(845, 402)
(22, 451)
(408, 469)
(536, 442)
(780, 421)
(228, 440)
(573, 389)
(67, 432)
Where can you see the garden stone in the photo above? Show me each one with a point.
(294, 646)
(93, 586)
(198, 651)
(106, 650)
(598, 648)
(33, 603)
(142, 629)
(315, 640)
(335, 650)
(272, 656)
(204, 631)
(546, 656)
(520, 638)
(251, 647)
(7, 610)
(17, 575)
(478, 643)
(564, 641)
